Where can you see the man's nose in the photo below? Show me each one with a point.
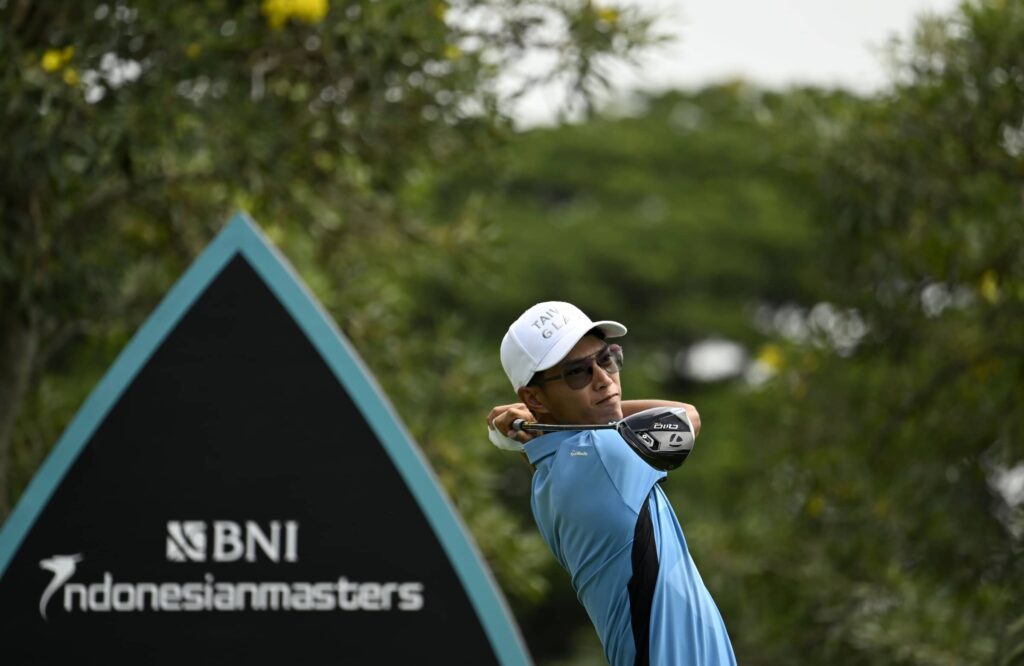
(601, 376)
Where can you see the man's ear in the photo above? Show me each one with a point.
(533, 397)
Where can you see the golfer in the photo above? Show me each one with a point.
(597, 504)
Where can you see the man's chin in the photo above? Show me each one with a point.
(610, 411)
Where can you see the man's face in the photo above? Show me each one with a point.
(598, 402)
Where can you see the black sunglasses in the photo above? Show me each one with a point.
(578, 373)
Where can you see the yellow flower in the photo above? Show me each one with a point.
(193, 50)
(54, 59)
(452, 52)
(71, 76)
(989, 286)
(308, 11)
(771, 356)
(51, 61)
(608, 15)
(276, 11)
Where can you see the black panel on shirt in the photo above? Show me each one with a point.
(641, 584)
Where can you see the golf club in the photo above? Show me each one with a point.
(661, 436)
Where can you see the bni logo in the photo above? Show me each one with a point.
(229, 541)
(186, 541)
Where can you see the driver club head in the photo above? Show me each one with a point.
(661, 436)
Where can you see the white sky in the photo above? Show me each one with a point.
(769, 42)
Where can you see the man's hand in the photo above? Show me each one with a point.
(694, 415)
(502, 416)
(634, 406)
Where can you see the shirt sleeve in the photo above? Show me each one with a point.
(632, 477)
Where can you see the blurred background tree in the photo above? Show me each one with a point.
(835, 280)
(898, 465)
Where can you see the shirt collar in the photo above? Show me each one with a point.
(545, 445)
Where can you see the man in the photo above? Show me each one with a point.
(597, 503)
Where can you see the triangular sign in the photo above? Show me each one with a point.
(237, 489)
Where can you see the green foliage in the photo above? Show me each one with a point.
(684, 216)
(898, 545)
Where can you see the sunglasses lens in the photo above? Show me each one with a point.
(611, 359)
(579, 374)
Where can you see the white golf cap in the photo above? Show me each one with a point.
(543, 335)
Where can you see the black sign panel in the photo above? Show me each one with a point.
(236, 490)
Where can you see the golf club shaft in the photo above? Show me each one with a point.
(520, 424)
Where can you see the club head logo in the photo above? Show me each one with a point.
(63, 568)
(678, 440)
(186, 541)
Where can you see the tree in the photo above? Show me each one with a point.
(896, 532)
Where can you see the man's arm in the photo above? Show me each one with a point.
(500, 418)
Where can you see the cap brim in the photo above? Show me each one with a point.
(611, 329)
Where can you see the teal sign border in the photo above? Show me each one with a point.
(241, 236)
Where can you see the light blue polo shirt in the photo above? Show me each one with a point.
(600, 510)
